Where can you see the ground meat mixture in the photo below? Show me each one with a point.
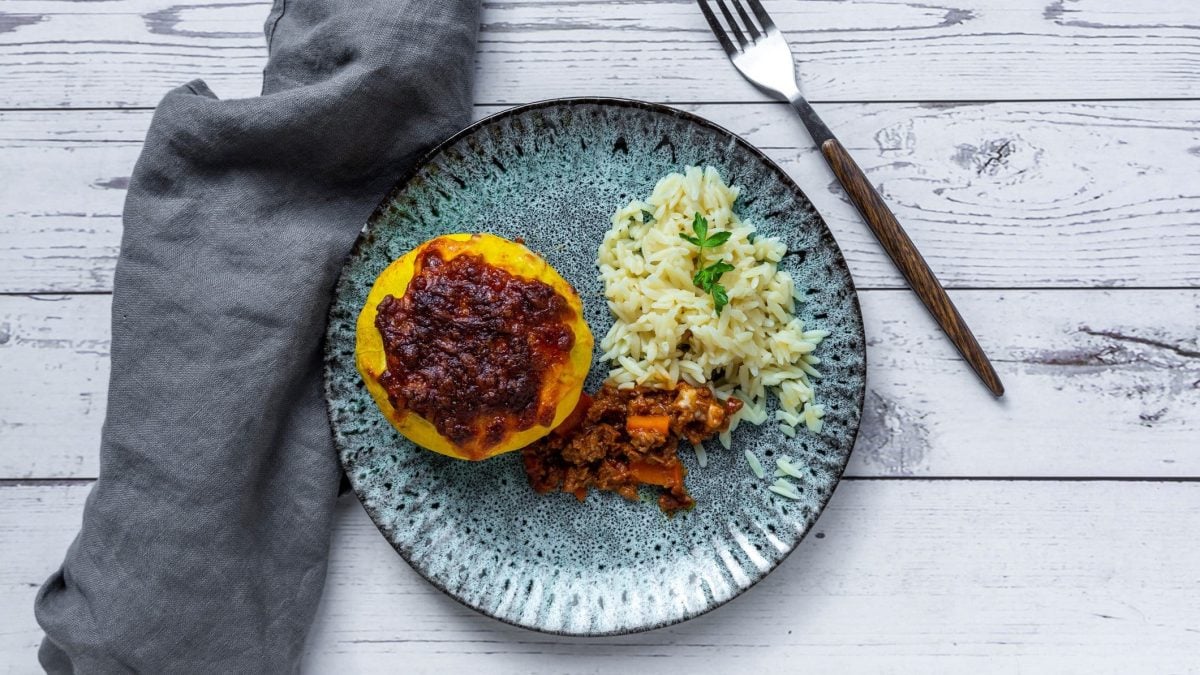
(623, 438)
(468, 347)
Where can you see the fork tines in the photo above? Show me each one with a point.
(739, 29)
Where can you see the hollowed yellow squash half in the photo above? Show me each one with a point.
(561, 383)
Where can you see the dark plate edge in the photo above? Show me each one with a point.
(402, 183)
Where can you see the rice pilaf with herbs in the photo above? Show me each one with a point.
(699, 297)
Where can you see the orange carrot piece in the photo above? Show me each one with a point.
(659, 424)
(654, 474)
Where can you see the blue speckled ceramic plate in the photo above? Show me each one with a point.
(553, 173)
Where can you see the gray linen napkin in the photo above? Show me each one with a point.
(204, 542)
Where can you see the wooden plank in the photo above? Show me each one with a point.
(61, 198)
(54, 365)
(1100, 383)
(925, 576)
(58, 53)
(995, 195)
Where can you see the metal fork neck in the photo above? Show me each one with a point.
(816, 128)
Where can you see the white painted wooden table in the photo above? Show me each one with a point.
(1044, 154)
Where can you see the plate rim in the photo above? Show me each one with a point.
(570, 101)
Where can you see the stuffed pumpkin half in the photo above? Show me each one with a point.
(472, 346)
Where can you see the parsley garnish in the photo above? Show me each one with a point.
(647, 217)
(707, 278)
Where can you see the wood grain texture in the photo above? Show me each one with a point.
(1101, 383)
(899, 576)
(994, 195)
(54, 365)
(59, 53)
(900, 248)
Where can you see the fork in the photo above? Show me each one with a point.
(761, 54)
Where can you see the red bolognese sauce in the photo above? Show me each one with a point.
(624, 438)
(468, 346)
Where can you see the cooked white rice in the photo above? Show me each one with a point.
(666, 328)
(783, 488)
(785, 466)
(755, 466)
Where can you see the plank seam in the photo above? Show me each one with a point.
(508, 104)
(68, 482)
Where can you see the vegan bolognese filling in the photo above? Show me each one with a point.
(469, 346)
(621, 439)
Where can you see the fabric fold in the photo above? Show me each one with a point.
(204, 541)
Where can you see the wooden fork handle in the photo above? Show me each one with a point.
(906, 257)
